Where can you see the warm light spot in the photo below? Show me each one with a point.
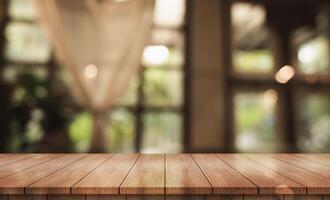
(91, 71)
(270, 96)
(155, 55)
(284, 74)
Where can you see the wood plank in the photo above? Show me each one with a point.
(224, 197)
(6, 159)
(322, 159)
(105, 197)
(15, 183)
(263, 197)
(223, 178)
(65, 197)
(303, 197)
(3, 197)
(146, 177)
(33, 160)
(185, 197)
(268, 181)
(27, 197)
(315, 183)
(106, 179)
(145, 197)
(61, 181)
(183, 176)
(305, 164)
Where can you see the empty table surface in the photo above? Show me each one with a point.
(165, 174)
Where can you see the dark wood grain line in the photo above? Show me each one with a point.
(35, 160)
(16, 183)
(222, 177)
(267, 180)
(107, 178)
(183, 176)
(303, 163)
(61, 181)
(314, 183)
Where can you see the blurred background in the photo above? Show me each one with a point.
(216, 76)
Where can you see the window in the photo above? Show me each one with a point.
(26, 57)
(275, 105)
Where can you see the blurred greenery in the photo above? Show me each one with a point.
(36, 106)
(120, 131)
(162, 132)
(314, 56)
(314, 122)
(22, 9)
(253, 61)
(254, 122)
(163, 88)
(26, 42)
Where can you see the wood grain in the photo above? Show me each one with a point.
(106, 179)
(146, 177)
(14, 184)
(224, 197)
(317, 158)
(268, 181)
(183, 176)
(6, 159)
(305, 164)
(65, 197)
(263, 197)
(223, 178)
(315, 183)
(32, 160)
(105, 197)
(145, 197)
(303, 197)
(27, 197)
(61, 181)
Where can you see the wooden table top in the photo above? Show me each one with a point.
(165, 174)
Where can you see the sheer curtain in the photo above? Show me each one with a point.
(100, 43)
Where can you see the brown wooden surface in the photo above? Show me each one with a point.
(267, 180)
(314, 183)
(223, 178)
(146, 177)
(315, 167)
(61, 181)
(16, 183)
(183, 176)
(107, 178)
(152, 176)
(317, 158)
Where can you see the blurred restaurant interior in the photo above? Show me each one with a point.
(192, 76)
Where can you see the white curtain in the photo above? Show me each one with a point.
(100, 43)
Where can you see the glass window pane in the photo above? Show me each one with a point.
(313, 56)
(169, 13)
(162, 132)
(22, 9)
(25, 42)
(314, 122)
(129, 98)
(121, 131)
(252, 52)
(255, 121)
(163, 88)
